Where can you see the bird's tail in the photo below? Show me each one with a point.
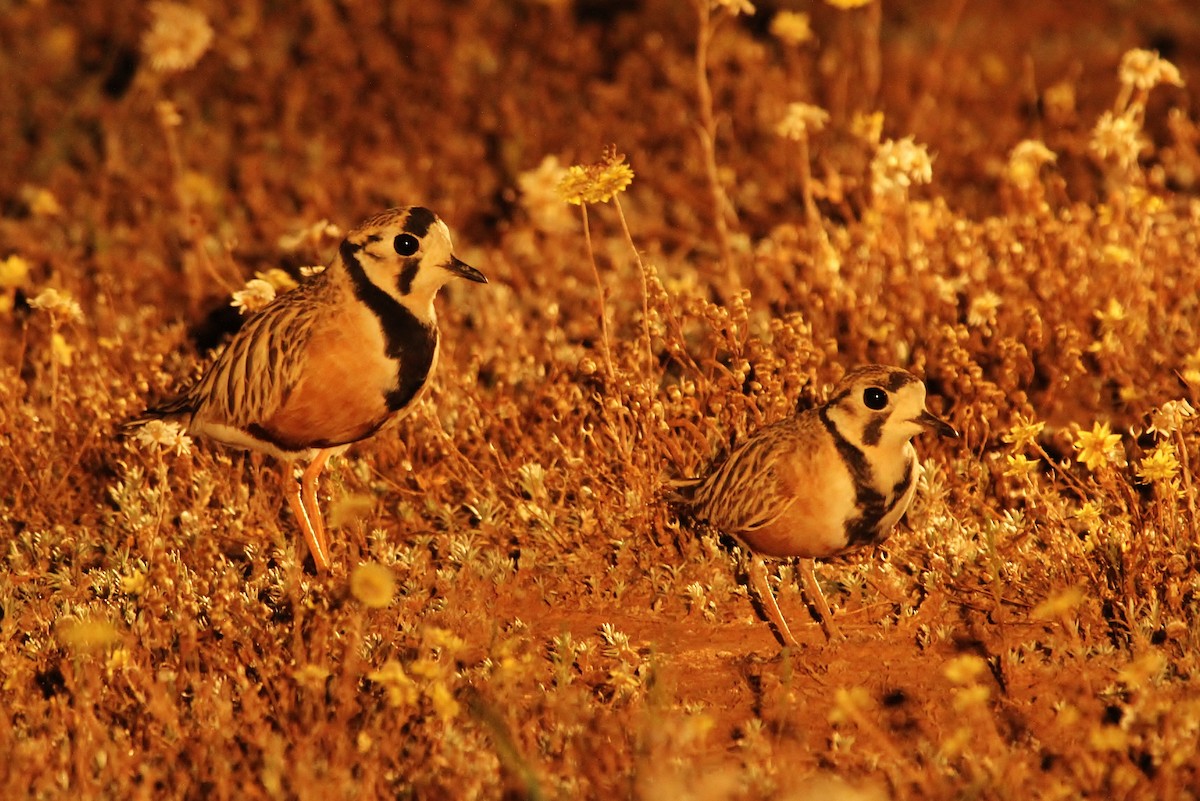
(177, 409)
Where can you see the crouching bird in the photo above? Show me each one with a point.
(822, 482)
(334, 361)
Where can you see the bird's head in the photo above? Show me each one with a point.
(406, 252)
(877, 406)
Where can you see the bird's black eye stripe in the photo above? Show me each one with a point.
(875, 398)
(406, 244)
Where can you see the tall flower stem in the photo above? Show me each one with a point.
(587, 238)
(708, 137)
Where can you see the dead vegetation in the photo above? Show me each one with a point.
(1002, 201)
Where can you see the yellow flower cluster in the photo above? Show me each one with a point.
(1161, 466)
(596, 183)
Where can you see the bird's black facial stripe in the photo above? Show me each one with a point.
(419, 221)
(874, 431)
(898, 380)
(407, 274)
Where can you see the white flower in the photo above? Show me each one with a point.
(800, 119)
(735, 7)
(178, 36)
(1117, 137)
(256, 294)
(167, 436)
(1145, 69)
(310, 236)
(898, 165)
(1170, 417)
(982, 309)
(58, 304)
(1026, 159)
(541, 199)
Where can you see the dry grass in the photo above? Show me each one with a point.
(530, 619)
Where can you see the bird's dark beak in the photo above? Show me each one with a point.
(931, 420)
(461, 268)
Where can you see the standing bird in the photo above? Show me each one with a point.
(823, 482)
(335, 360)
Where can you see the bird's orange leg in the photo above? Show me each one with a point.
(758, 579)
(318, 543)
(813, 591)
(320, 557)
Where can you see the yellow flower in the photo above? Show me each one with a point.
(868, 127)
(964, 669)
(311, 676)
(848, 4)
(119, 660)
(972, 696)
(277, 278)
(596, 183)
(1019, 466)
(1109, 738)
(443, 640)
(1191, 369)
(41, 202)
(1097, 448)
(848, 704)
(13, 272)
(373, 585)
(1142, 670)
(1161, 466)
(134, 583)
(444, 702)
(63, 351)
(1114, 312)
(87, 635)
(1058, 605)
(1088, 514)
(791, 27)
(401, 690)
(1023, 433)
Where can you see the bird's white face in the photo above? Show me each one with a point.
(883, 408)
(408, 253)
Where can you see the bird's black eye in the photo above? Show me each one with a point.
(406, 244)
(875, 398)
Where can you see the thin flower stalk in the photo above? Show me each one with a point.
(708, 138)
